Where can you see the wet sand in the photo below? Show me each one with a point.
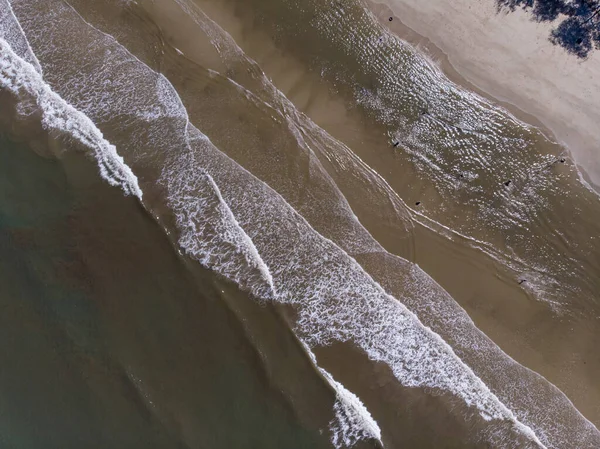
(509, 56)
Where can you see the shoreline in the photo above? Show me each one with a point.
(557, 109)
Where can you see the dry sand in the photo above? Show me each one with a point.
(509, 56)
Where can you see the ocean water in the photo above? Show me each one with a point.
(313, 232)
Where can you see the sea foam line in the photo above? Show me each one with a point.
(400, 340)
(20, 77)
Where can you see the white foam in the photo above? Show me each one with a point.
(211, 234)
(21, 78)
(352, 421)
(11, 32)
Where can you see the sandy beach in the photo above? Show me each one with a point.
(509, 56)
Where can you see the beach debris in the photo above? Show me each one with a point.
(417, 203)
(390, 19)
(507, 183)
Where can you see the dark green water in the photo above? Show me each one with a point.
(107, 339)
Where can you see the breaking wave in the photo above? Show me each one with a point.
(20, 78)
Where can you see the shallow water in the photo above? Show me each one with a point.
(303, 194)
